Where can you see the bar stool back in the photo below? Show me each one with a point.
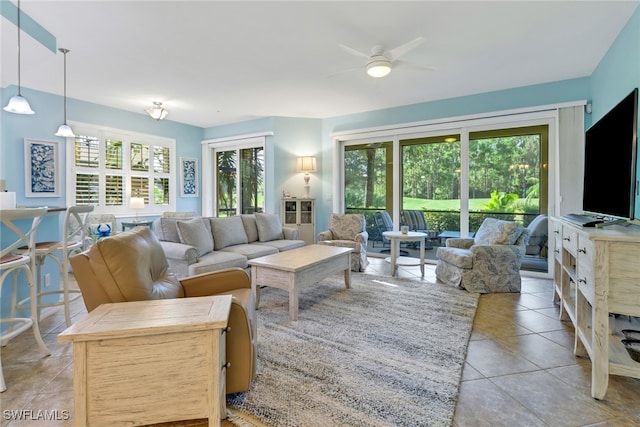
(73, 241)
(13, 259)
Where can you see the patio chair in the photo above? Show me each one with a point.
(383, 222)
(415, 220)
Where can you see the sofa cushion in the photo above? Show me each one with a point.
(269, 227)
(250, 227)
(217, 260)
(197, 233)
(227, 232)
(497, 232)
(283, 245)
(253, 250)
(166, 230)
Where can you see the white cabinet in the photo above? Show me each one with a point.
(597, 272)
(300, 214)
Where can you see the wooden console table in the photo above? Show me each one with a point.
(148, 362)
(596, 272)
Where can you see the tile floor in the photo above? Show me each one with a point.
(520, 369)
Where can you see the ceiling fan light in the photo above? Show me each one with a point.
(378, 68)
(157, 112)
(65, 131)
(18, 105)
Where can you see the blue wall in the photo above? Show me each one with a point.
(616, 75)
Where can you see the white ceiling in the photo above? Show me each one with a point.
(215, 62)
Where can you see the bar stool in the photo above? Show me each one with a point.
(12, 260)
(73, 240)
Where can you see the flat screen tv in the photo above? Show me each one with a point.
(610, 162)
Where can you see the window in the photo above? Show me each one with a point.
(239, 178)
(109, 166)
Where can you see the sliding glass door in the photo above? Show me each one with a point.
(455, 180)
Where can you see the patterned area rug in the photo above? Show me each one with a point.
(387, 352)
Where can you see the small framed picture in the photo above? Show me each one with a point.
(42, 168)
(188, 177)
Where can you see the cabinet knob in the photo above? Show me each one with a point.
(556, 251)
(583, 250)
(582, 281)
(226, 330)
(568, 238)
(226, 365)
(556, 231)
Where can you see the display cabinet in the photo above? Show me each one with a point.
(300, 214)
(597, 285)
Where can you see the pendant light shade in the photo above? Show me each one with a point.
(64, 130)
(17, 104)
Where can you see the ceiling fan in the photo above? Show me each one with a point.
(380, 61)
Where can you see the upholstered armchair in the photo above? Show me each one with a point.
(348, 231)
(489, 262)
(132, 266)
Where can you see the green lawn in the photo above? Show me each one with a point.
(442, 205)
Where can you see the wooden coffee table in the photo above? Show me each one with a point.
(298, 268)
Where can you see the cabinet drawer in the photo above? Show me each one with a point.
(570, 240)
(557, 247)
(586, 258)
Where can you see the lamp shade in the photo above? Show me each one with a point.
(157, 112)
(306, 164)
(136, 203)
(65, 131)
(18, 105)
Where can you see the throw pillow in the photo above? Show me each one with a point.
(269, 227)
(195, 233)
(166, 230)
(497, 232)
(249, 222)
(228, 231)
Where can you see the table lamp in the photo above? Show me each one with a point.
(136, 203)
(306, 164)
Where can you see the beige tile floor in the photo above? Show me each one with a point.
(520, 369)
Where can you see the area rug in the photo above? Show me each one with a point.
(387, 352)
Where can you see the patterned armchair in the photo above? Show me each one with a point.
(348, 231)
(490, 262)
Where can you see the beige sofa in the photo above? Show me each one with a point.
(203, 244)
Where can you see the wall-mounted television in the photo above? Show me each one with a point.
(610, 158)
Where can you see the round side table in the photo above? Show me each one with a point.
(396, 237)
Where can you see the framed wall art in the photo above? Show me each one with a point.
(188, 177)
(42, 168)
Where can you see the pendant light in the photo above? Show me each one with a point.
(17, 104)
(64, 130)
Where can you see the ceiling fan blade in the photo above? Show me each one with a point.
(405, 64)
(348, 70)
(353, 51)
(397, 52)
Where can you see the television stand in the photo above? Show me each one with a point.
(613, 222)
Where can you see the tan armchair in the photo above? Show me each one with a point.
(131, 266)
(348, 231)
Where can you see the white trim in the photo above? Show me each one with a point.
(237, 137)
(449, 122)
